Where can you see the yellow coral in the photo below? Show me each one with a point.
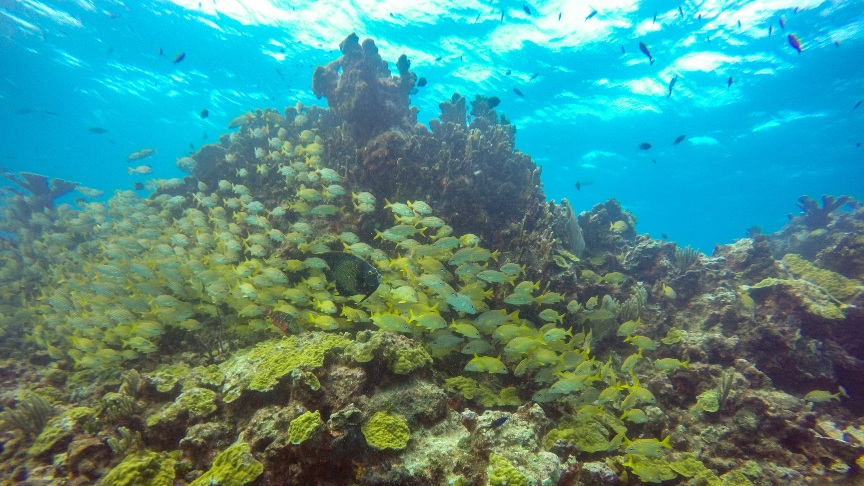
(838, 286)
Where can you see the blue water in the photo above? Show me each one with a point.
(786, 126)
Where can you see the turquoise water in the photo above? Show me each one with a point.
(785, 127)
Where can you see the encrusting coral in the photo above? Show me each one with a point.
(526, 343)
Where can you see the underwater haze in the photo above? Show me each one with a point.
(762, 122)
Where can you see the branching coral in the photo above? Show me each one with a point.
(365, 94)
(43, 191)
(814, 216)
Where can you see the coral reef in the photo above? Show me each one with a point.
(198, 336)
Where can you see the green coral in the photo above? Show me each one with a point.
(586, 434)
(673, 336)
(58, 429)
(752, 469)
(199, 402)
(688, 467)
(364, 346)
(385, 431)
(464, 385)
(312, 381)
(836, 285)
(142, 468)
(811, 296)
(235, 466)
(196, 402)
(209, 375)
(502, 473)
(302, 427)
(409, 359)
(735, 478)
(651, 469)
(165, 377)
(470, 389)
(708, 401)
(261, 367)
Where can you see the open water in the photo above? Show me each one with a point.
(784, 127)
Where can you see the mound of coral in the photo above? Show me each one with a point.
(197, 336)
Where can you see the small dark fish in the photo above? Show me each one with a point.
(559, 17)
(858, 104)
(837, 43)
(654, 20)
(460, 58)
(518, 93)
(526, 8)
(592, 14)
(497, 422)
(421, 82)
(795, 43)
(622, 50)
(535, 75)
(204, 113)
(700, 17)
(493, 101)
(671, 85)
(508, 73)
(51, 113)
(647, 52)
(438, 58)
(729, 82)
(770, 30)
(679, 139)
(351, 274)
(137, 186)
(578, 186)
(278, 72)
(179, 57)
(191, 146)
(644, 146)
(502, 15)
(739, 24)
(98, 130)
(681, 11)
(796, 9)
(782, 23)
(653, 160)
(664, 236)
